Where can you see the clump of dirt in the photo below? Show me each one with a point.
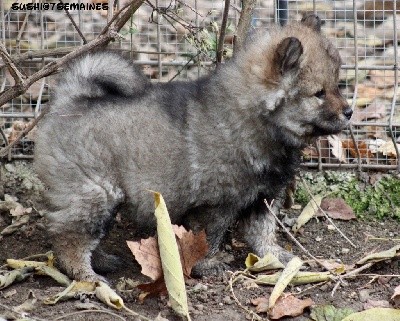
(209, 298)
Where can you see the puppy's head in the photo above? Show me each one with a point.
(303, 70)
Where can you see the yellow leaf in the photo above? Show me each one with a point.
(53, 273)
(308, 212)
(18, 264)
(108, 296)
(170, 259)
(287, 275)
(384, 255)
(385, 314)
(71, 291)
(14, 276)
(298, 279)
(268, 262)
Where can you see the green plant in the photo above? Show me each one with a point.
(380, 200)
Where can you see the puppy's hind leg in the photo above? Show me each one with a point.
(77, 227)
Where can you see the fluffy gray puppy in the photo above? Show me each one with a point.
(215, 148)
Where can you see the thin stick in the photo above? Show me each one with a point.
(325, 214)
(15, 73)
(244, 24)
(231, 280)
(221, 39)
(4, 151)
(74, 23)
(292, 236)
(90, 311)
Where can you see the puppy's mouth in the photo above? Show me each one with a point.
(330, 128)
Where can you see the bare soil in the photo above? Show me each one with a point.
(209, 298)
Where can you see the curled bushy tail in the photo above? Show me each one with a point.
(98, 75)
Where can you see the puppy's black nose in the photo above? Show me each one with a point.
(348, 112)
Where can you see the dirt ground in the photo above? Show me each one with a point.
(209, 298)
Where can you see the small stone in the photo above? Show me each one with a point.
(318, 239)
(199, 307)
(330, 227)
(227, 300)
(363, 295)
(345, 250)
(199, 287)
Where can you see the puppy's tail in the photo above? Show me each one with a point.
(100, 74)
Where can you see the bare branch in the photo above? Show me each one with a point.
(15, 73)
(4, 151)
(244, 24)
(74, 23)
(109, 33)
(221, 39)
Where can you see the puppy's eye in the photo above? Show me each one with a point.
(320, 94)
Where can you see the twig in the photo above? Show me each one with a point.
(90, 311)
(74, 23)
(40, 54)
(221, 39)
(15, 73)
(292, 236)
(141, 317)
(22, 314)
(325, 214)
(108, 34)
(231, 280)
(184, 66)
(244, 24)
(4, 151)
(382, 239)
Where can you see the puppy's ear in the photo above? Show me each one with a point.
(312, 21)
(287, 55)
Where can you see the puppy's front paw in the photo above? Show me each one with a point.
(209, 267)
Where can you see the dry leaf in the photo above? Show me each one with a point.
(307, 213)
(336, 267)
(336, 208)
(28, 305)
(382, 78)
(376, 304)
(375, 110)
(388, 149)
(336, 148)
(108, 296)
(380, 256)
(375, 314)
(289, 305)
(261, 304)
(298, 279)
(192, 247)
(363, 149)
(292, 268)
(17, 275)
(147, 254)
(170, 259)
(396, 296)
(152, 289)
(73, 290)
(268, 262)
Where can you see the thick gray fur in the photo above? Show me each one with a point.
(215, 148)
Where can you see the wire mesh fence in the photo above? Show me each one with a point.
(177, 39)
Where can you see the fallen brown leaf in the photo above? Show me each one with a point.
(148, 256)
(261, 304)
(336, 208)
(349, 145)
(289, 305)
(396, 296)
